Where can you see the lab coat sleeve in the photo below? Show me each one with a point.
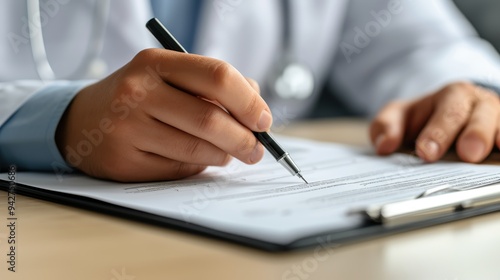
(403, 49)
(27, 136)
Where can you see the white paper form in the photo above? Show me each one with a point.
(265, 202)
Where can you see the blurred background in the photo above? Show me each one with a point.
(485, 16)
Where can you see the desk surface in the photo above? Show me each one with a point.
(60, 242)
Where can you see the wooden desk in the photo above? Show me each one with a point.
(60, 242)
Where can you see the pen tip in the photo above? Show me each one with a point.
(300, 176)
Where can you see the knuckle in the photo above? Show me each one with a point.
(251, 106)
(439, 136)
(387, 112)
(222, 73)
(209, 119)
(456, 114)
(458, 86)
(129, 91)
(146, 56)
(178, 170)
(489, 97)
(246, 145)
(182, 170)
(193, 148)
(454, 91)
(126, 85)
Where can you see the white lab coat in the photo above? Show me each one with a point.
(353, 46)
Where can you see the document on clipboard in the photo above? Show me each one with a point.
(352, 194)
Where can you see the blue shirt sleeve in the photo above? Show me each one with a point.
(27, 139)
(490, 87)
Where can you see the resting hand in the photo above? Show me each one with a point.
(460, 113)
(151, 120)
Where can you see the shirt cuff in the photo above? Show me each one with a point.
(490, 87)
(27, 139)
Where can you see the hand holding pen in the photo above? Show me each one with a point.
(170, 43)
(146, 122)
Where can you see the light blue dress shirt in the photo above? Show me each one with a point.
(27, 139)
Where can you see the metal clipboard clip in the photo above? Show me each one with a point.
(428, 205)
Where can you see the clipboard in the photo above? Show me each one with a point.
(427, 210)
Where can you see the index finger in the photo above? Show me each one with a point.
(214, 80)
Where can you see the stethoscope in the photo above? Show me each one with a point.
(92, 66)
(289, 79)
(288, 82)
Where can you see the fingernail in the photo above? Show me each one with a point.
(265, 121)
(428, 150)
(472, 148)
(257, 154)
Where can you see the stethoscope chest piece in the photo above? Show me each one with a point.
(292, 80)
(290, 89)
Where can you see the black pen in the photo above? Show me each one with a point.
(170, 43)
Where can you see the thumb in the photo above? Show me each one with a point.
(388, 128)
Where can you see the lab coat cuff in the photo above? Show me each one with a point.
(27, 139)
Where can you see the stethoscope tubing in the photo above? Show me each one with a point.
(90, 59)
(285, 76)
